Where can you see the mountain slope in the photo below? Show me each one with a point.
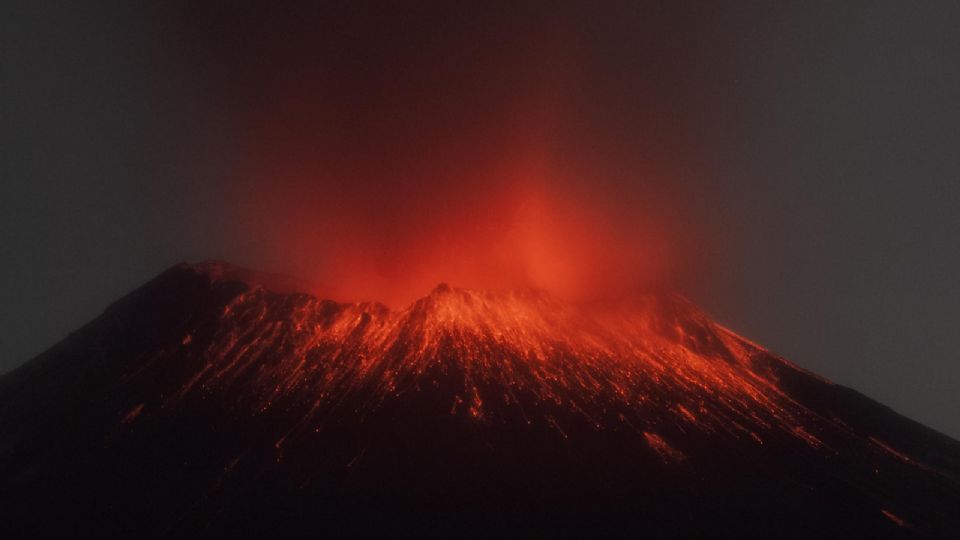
(207, 403)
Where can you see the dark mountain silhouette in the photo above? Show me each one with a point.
(213, 402)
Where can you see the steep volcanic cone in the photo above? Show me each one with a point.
(207, 402)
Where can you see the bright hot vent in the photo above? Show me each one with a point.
(504, 356)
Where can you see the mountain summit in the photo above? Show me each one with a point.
(210, 403)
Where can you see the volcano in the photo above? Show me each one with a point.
(218, 402)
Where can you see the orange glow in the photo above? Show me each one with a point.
(496, 187)
(513, 228)
(500, 351)
(664, 450)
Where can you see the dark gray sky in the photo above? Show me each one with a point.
(817, 141)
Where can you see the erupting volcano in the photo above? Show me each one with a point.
(214, 401)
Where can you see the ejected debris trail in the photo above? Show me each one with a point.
(210, 401)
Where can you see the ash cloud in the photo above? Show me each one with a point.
(383, 150)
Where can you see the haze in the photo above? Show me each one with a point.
(792, 168)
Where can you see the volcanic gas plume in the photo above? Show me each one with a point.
(481, 147)
(483, 211)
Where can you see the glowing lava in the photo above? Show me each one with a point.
(654, 364)
(215, 399)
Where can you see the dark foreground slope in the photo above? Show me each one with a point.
(204, 404)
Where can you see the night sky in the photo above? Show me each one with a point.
(793, 168)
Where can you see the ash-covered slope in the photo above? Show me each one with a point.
(206, 404)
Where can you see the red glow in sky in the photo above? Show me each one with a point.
(473, 163)
(514, 229)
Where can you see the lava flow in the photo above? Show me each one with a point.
(498, 354)
(216, 399)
